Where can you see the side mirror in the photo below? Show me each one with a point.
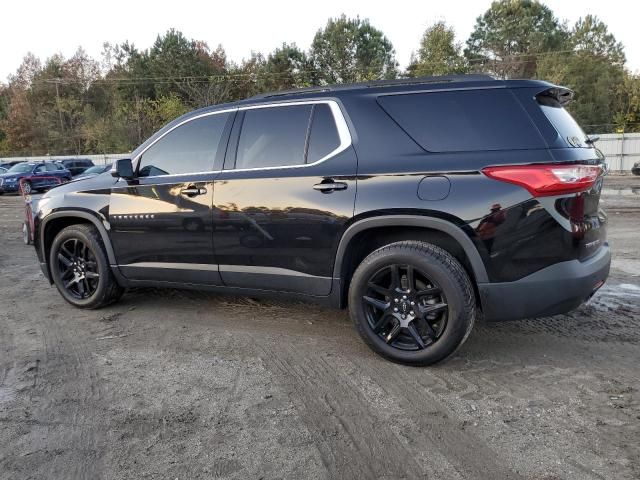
(122, 168)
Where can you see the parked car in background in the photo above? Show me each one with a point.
(76, 165)
(416, 203)
(37, 177)
(3, 170)
(8, 165)
(636, 168)
(93, 171)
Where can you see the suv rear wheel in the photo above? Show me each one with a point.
(412, 302)
(80, 268)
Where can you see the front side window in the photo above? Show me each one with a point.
(273, 137)
(189, 148)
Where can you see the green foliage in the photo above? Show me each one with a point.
(593, 67)
(439, 54)
(509, 37)
(627, 118)
(351, 50)
(81, 105)
(286, 67)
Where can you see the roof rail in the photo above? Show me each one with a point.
(377, 83)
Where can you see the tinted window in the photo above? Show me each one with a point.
(562, 121)
(323, 138)
(273, 137)
(51, 167)
(40, 169)
(189, 148)
(464, 120)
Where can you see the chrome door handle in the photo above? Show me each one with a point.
(193, 191)
(330, 186)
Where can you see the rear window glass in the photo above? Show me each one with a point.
(562, 121)
(273, 137)
(323, 138)
(464, 120)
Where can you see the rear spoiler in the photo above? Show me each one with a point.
(562, 95)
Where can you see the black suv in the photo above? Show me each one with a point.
(419, 204)
(76, 165)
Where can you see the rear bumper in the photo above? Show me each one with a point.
(553, 290)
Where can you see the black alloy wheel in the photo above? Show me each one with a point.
(78, 269)
(404, 307)
(412, 302)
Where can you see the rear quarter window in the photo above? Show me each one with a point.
(459, 121)
(562, 121)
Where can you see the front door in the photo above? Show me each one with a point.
(161, 222)
(283, 199)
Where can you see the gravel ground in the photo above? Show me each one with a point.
(188, 385)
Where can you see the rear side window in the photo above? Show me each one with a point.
(471, 120)
(273, 137)
(52, 167)
(323, 138)
(189, 148)
(562, 121)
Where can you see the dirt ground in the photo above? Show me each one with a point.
(187, 385)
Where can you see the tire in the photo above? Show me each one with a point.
(26, 233)
(27, 188)
(426, 331)
(98, 291)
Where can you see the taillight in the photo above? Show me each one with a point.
(547, 180)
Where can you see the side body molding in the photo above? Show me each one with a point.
(413, 221)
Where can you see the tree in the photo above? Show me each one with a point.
(351, 50)
(511, 35)
(593, 67)
(285, 68)
(439, 54)
(627, 118)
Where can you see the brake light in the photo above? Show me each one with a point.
(547, 180)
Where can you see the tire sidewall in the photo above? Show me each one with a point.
(458, 315)
(101, 261)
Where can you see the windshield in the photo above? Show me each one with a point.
(21, 168)
(96, 169)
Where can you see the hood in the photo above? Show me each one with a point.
(7, 175)
(85, 184)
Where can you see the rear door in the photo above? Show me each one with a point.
(161, 222)
(286, 191)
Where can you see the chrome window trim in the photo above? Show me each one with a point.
(338, 117)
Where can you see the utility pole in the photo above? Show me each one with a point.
(57, 82)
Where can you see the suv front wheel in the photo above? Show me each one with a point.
(80, 268)
(412, 302)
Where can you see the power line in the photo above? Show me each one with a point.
(507, 60)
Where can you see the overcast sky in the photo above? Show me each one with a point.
(48, 27)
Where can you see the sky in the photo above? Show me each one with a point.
(46, 27)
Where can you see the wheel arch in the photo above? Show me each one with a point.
(446, 229)
(53, 223)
